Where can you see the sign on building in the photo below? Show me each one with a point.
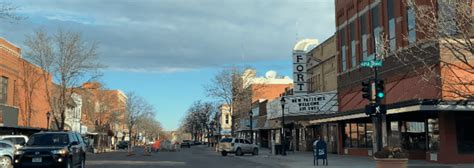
(300, 85)
(313, 103)
(316, 103)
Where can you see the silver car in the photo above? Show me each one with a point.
(6, 154)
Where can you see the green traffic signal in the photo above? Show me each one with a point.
(380, 95)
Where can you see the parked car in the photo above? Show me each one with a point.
(197, 142)
(186, 143)
(6, 153)
(237, 146)
(122, 145)
(17, 140)
(52, 149)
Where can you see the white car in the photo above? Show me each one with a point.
(237, 146)
(18, 140)
(6, 153)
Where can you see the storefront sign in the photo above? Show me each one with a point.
(317, 103)
(313, 103)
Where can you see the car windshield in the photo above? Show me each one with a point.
(48, 140)
(226, 140)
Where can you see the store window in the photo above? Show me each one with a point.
(413, 135)
(465, 134)
(3, 90)
(358, 135)
(433, 135)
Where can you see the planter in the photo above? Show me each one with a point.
(391, 162)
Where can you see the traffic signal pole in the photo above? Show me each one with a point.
(377, 118)
(374, 92)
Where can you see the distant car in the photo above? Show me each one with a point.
(155, 147)
(186, 143)
(6, 153)
(17, 140)
(197, 143)
(237, 146)
(122, 145)
(52, 149)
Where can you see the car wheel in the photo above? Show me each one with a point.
(255, 151)
(5, 161)
(239, 152)
(224, 153)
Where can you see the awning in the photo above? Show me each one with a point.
(396, 109)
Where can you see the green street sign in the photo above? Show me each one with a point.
(371, 63)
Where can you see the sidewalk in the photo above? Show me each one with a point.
(305, 159)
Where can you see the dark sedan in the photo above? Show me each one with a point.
(52, 149)
(186, 143)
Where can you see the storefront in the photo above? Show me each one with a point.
(433, 131)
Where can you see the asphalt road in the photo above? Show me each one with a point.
(196, 156)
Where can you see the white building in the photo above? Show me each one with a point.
(74, 115)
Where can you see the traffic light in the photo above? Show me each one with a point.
(379, 90)
(367, 90)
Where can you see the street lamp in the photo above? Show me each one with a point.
(283, 125)
(251, 131)
(48, 115)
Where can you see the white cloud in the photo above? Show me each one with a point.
(183, 34)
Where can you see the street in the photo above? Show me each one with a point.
(196, 156)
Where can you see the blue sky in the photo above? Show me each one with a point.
(166, 50)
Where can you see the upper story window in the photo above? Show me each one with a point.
(411, 19)
(391, 25)
(3, 90)
(227, 119)
(377, 30)
(353, 44)
(342, 37)
(364, 35)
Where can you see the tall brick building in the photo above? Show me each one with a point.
(21, 88)
(423, 116)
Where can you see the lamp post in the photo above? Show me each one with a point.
(283, 125)
(48, 115)
(251, 131)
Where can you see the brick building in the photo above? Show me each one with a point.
(422, 116)
(22, 89)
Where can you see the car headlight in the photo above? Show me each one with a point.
(19, 152)
(59, 152)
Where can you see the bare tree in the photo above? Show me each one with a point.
(67, 60)
(150, 127)
(443, 54)
(137, 107)
(198, 119)
(235, 87)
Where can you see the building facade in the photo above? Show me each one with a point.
(422, 116)
(22, 89)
